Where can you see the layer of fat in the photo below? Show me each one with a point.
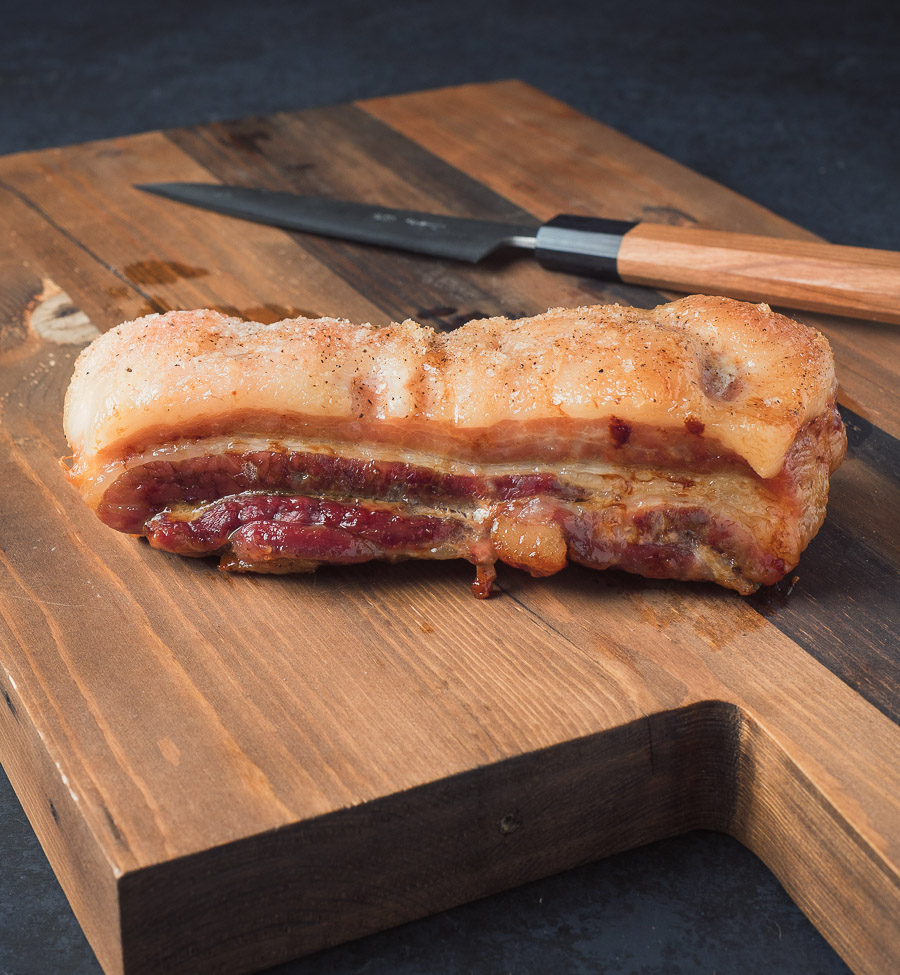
(660, 367)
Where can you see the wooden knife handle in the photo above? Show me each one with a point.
(853, 281)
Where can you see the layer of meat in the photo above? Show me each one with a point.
(278, 533)
(142, 491)
(292, 510)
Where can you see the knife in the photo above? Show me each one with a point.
(852, 281)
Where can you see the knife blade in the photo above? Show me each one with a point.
(424, 233)
(852, 281)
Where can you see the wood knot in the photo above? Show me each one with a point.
(53, 317)
(509, 824)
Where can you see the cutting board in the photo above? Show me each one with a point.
(226, 772)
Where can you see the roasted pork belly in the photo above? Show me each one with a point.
(692, 441)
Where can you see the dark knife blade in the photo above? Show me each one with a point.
(424, 233)
(852, 281)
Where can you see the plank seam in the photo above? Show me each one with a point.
(43, 215)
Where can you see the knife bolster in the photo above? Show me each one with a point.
(581, 245)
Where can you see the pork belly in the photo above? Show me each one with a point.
(692, 441)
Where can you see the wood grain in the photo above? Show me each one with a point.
(854, 281)
(226, 772)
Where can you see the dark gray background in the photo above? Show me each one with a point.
(796, 105)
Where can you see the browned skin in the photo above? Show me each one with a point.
(570, 384)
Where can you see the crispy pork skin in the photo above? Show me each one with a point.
(692, 441)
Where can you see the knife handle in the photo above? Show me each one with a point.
(853, 281)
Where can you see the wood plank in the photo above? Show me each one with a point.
(132, 257)
(216, 765)
(797, 760)
(477, 832)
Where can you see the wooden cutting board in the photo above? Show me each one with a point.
(226, 772)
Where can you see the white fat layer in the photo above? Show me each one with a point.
(752, 378)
